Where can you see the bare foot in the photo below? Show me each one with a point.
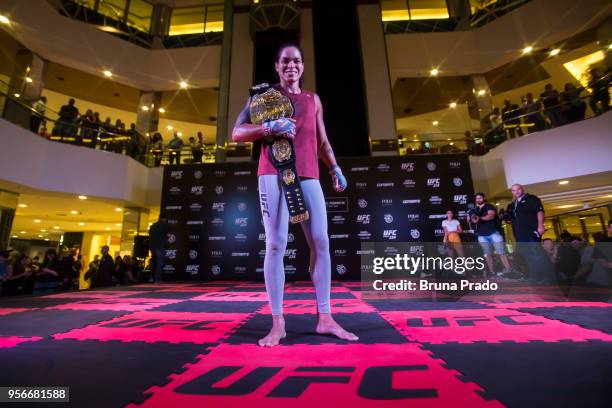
(276, 333)
(327, 325)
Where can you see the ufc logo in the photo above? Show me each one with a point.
(466, 321)
(376, 383)
(185, 324)
(264, 204)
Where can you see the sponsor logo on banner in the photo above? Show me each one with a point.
(218, 206)
(439, 232)
(390, 234)
(385, 202)
(176, 174)
(215, 270)
(388, 218)
(341, 269)
(338, 236)
(262, 236)
(216, 237)
(219, 190)
(391, 250)
(172, 222)
(339, 204)
(175, 190)
(436, 200)
(338, 219)
(240, 237)
(193, 254)
(364, 235)
(362, 203)
(413, 217)
(457, 181)
(365, 252)
(242, 189)
(433, 182)
(198, 174)
(240, 270)
(168, 268)
(362, 168)
(437, 216)
(462, 214)
(415, 233)
(361, 185)
(409, 183)
(290, 270)
(242, 207)
(412, 201)
(408, 167)
(383, 167)
(242, 173)
(431, 166)
(240, 254)
(241, 221)
(290, 237)
(262, 253)
(219, 173)
(290, 253)
(259, 270)
(217, 222)
(170, 254)
(340, 252)
(194, 222)
(363, 219)
(460, 198)
(174, 207)
(366, 268)
(216, 253)
(195, 207)
(416, 249)
(385, 185)
(197, 190)
(194, 237)
(454, 165)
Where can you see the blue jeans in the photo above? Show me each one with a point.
(488, 242)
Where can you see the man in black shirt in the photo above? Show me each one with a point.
(489, 237)
(104, 273)
(510, 116)
(528, 226)
(158, 233)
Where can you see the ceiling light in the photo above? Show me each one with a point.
(145, 108)
(82, 197)
(4, 19)
(179, 134)
(36, 220)
(117, 225)
(46, 239)
(452, 143)
(527, 49)
(81, 223)
(562, 182)
(568, 206)
(28, 80)
(497, 204)
(435, 123)
(23, 205)
(107, 228)
(554, 52)
(74, 212)
(169, 127)
(434, 72)
(118, 209)
(56, 227)
(108, 74)
(162, 110)
(40, 236)
(453, 105)
(481, 92)
(22, 232)
(16, 95)
(610, 47)
(109, 29)
(183, 84)
(43, 230)
(14, 236)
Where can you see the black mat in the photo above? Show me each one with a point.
(598, 318)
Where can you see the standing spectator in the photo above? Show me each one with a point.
(107, 135)
(511, 118)
(66, 124)
(600, 95)
(157, 148)
(196, 149)
(40, 107)
(533, 116)
(92, 271)
(5, 268)
(106, 268)
(132, 270)
(134, 144)
(452, 229)
(66, 270)
(527, 217)
(489, 237)
(16, 282)
(119, 271)
(97, 123)
(118, 140)
(175, 146)
(552, 107)
(158, 233)
(76, 271)
(572, 106)
(47, 278)
(87, 127)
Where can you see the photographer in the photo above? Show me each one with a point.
(528, 226)
(489, 237)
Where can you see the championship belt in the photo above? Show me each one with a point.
(267, 103)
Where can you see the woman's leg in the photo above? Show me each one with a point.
(315, 230)
(276, 224)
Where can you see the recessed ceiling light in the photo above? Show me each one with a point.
(43, 230)
(82, 197)
(107, 228)
(17, 95)
(162, 110)
(40, 236)
(46, 239)
(56, 227)
(36, 220)
(14, 236)
(497, 204)
(453, 105)
(28, 80)
(118, 209)
(4, 19)
(179, 134)
(144, 108)
(434, 72)
(527, 49)
(23, 205)
(564, 182)
(610, 47)
(451, 143)
(81, 223)
(183, 84)
(568, 206)
(22, 232)
(117, 225)
(554, 52)
(109, 29)
(435, 123)
(481, 92)
(108, 74)
(74, 212)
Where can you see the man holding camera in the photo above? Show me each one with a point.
(527, 218)
(489, 236)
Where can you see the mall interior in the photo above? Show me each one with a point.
(415, 77)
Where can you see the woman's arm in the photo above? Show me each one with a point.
(459, 229)
(50, 271)
(324, 148)
(244, 131)
(445, 234)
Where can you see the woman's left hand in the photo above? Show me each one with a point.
(338, 179)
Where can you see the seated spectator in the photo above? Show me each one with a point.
(130, 266)
(47, 278)
(36, 119)
(552, 107)
(600, 95)
(572, 106)
(511, 118)
(551, 249)
(119, 271)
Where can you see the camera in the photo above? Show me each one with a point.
(504, 215)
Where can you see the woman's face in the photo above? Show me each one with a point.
(289, 66)
(449, 215)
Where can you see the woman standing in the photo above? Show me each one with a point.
(47, 277)
(452, 229)
(307, 131)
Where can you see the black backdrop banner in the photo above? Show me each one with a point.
(217, 231)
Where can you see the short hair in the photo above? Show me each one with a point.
(480, 194)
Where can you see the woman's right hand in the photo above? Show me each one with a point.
(280, 127)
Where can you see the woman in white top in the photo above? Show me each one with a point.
(452, 228)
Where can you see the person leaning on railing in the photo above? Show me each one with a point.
(157, 148)
(36, 119)
(175, 146)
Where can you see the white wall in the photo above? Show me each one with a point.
(30, 160)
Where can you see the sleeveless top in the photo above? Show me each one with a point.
(305, 141)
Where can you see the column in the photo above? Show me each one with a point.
(224, 124)
(379, 96)
(160, 24)
(8, 204)
(482, 102)
(307, 45)
(27, 81)
(460, 10)
(147, 118)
